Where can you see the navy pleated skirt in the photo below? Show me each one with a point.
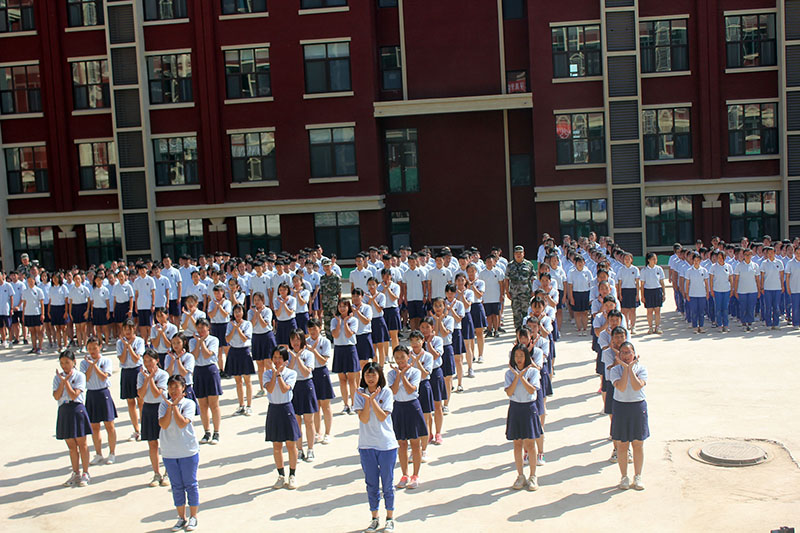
(392, 317)
(73, 421)
(380, 331)
(57, 315)
(408, 420)
(304, 397)
(438, 386)
(239, 362)
(206, 381)
(100, 406)
(281, 423)
(127, 383)
(425, 392)
(458, 343)
(581, 301)
(523, 421)
(629, 422)
(99, 316)
(547, 381)
(653, 298)
(150, 427)
(608, 406)
(77, 313)
(322, 383)
(448, 361)
(302, 321)
(467, 328)
(218, 330)
(629, 298)
(263, 345)
(282, 330)
(364, 347)
(345, 359)
(478, 315)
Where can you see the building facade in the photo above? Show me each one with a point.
(134, 129)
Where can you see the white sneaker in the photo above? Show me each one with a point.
(540, 460)
(96, 460)
(73, 480)
(480, 359)
(180, 524)
(519, 484)
(389, 525)
(424, 456)
(310, 456)
(374, 525)
(110, 459)
(637, 483)
(261, 393)
(155, 481)
(624, 483)
(533, 483)
(239, 411)
(613, 458)
(292, 484)
(279, 483)
(326, 439)
(470, 373)
(191, 525)
(248, 411)
(83, 480)
(135, 436)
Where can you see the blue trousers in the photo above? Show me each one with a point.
(786, 306)
(698, 309)
(796, 309)
(183, 478)
(771, 312)
(733, 307)
(678, 299)
(378, 467)
(721, 307)
(747, 307)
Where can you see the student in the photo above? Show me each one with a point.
(377, 444)
(78, 309)
(99, 310)
(180, 361)
(57, 310)
(302, 296)
(161, 335)
(33, 313)
(99, 404)
(285, 306)
(191, 314)
(122, 297)
(494, 278)
(408, 420)
(205, 347)
(345, 357)
(179, 449)
(363, 314)
(130, 349)
(629, 413)
(560, 277)
(380, 331)
(720, 276)
(412, 292)
(579, 281)
(260, 316)
(444, 328)
(772, 288)
(144, 288)
(617, 335)
(466, 298)
(219, 314)
(281, 426)
(73, 422)
(239, 335)
(792, 271)
(391, 309)
(304, 396)
(522, 423)
(6, 306)
(629, 283)
(151, 384)
(477, 312)
(320, 347)
(434, 345)
(696, 289)
(173, 275)
(746, 280)
(652, 292)
(422, 360)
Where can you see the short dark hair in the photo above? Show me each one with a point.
(282, 351)
(370, 368)
(300, 334)
(177, 378)
(514, 350)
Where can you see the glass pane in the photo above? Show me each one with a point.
(314, 51)
(339, 50)
(258, 225)
(582, 210)
(651, 207)
(319, 136)
(665, 120)
(599, 211)
(770, 204)
(667, 207)
(273, 226)
(348, 218)
(324, 219)
(196, 227)
(682, 120)
(684, 207)
(768, 115)
(350, 241)
(754, 203)
(243, 226)
(343, 135)
(181, 229)
(566, 211)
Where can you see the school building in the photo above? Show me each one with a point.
(138, 128)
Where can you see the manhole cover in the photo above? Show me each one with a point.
(730, 453)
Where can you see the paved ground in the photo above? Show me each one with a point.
(700, 387)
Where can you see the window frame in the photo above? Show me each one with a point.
(680, 221)
(249, 243)
(326, 61)
(589, 139)
(590, 56)
(654, 140)
(81, 12)
(740, 45)
(82, 92)
(240, 8)
(409, 138)
(387, 3)
(111, 163)
(396, 234)
(10, 96)
(178, 10)
(649, 46)
(509, 74)
(27, 18)
(738, 137)
(38, 155)
(269, 160)
(249, 82)
(173, 83)
(768, 224)
(396, 70)
(335, 173)
(191, 243)
(44, 254)
(322, 4)
(572, 227)
(517, 182)
(111, 251)
(338, 227)
(169, 166)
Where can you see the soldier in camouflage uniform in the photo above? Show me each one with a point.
(519, 273)
(330, 290)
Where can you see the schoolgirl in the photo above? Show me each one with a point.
(122, 297)
(720, 277)
(235, 293)
(478, 313)
(423, 361)
(239, 335)
(363, 314)
(99, 305)
(522, 422)
(191, 314)
(302, 296)
(444, 328)
(161, 334)
(180, 361)
(408, 420)
(320, 346)
(144, 289)
(73, 422)
(312, 278)
(260, 316)
(33, 313)
(6, 307)
(285, 306)
(772, 287)
(391, 309)
(617, 335)
(578, 283)
(558, 275)
(345, 358)
(697, 289)
(380, 331)
(466, 297)
(179, 449)
(377, 443)
(281, 426)
(629, 425)
(793, 286)
(530, 336)
(629, 283)
(304, 396)
(205, 348)
(455, 310)
(47, 328)
(219, 314)
(99, 404)
(652, 292)
(151, 384)
(434, 345)
(130, 349)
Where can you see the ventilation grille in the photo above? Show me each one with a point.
(627, 208)
(625, 168)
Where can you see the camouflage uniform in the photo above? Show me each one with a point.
(330, 289)
(519, 277)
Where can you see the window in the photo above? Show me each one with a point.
(520, 170)
(236, 7)
(253, 156)
(513, 9)
(247, 73)
(401, 160)
(391, 69)
(20, 89)
(98, 165)
(750, 40)
(165, 9)
(580, 217)
(313, 4)
(170, 78)
(176, 161)
(753, 215)
(85, 13)
(664, 45)
(580, 139)
(387, 3)
(752, 129)
(338, 233)
(103, 243)
(260, 231)
(90, 84)
(517, 81)
(333, 152)
(16, 15)
(668, 220)
(667, 133)
(400, 229)
(180, 237)
(327, 67)
(37, 242)
(576, 51)
(26, 169)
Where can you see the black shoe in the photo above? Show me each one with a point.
(501, 330)
(24, 341)
(224, 375)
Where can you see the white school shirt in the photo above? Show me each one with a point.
(277, 279)
(219, 317)
(79, 295)
(492, 278)
(323, 346)
(94, 382)
(18, 286)
(266, 314)
(46, 290)
(747, 273)
(142, 287)
(458, 307)
(480, 286)
(236, 341)
(520, 394)
(121, 292)
(772, 274)
(190, 330)
(359, 278)
(793, 271)
(439, 278)
(77, 381)
(160, 380)
(174, 277)
(170, 330)
(162, 288)
(289, 377)
(449, 323)
(6, 298)
(413, 375)
(721, 273)
(469, 297)
(395, 289)
(185, 274)
(413, 281)
(376, 435)
(580, 279)
(629, 395)
(58, 295)
(280, 312)
(341, 339)
(100, 297)
(312, 278)
(260, 284)
(212, 343)
(426, 361)
(307, 357)
(34, 300)
(652, 276)
(608, 357)
(176, 442)
(187, 360)
(305, 294)
(436, 344)
(199, 291)
(379, 299)
(138, 349)
(697, 278)
(627, 276)
(365, 310)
